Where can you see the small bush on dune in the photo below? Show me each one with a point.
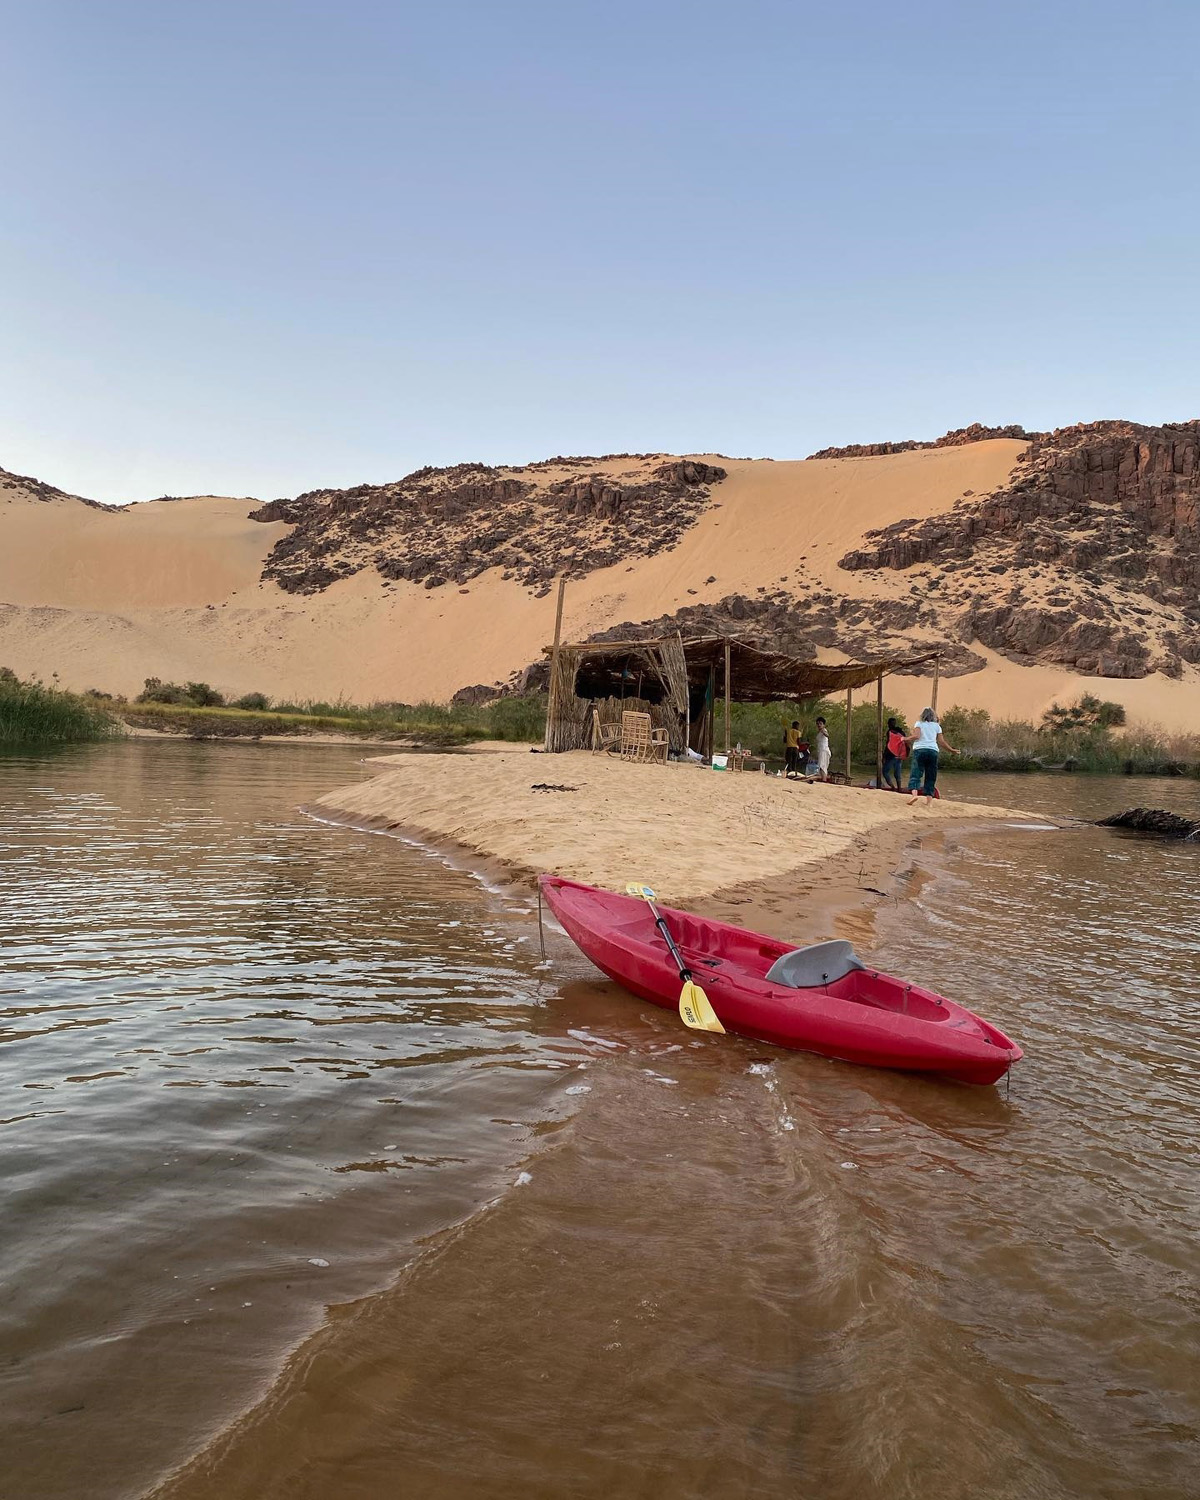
(1085, 715)
(157, 691)
(197, 694)
(256, 701)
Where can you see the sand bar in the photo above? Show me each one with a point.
(688, 831)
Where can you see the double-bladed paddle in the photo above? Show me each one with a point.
(695, 1009)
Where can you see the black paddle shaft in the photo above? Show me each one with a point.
(661, 923)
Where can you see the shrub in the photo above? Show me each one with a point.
(965, 726)
(1086, 714)
(197, 694)
(256, 701)
(157, 691)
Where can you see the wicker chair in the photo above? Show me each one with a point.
(606, 738)
(635, 735)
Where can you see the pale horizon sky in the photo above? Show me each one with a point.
(274, 245)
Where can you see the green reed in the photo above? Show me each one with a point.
(32, 713)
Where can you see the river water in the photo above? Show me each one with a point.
(254, 1067)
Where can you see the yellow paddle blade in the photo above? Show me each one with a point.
(696, 1011)
(644, 891)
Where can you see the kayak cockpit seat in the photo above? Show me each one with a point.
(809, 968)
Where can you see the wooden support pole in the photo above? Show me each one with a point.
(726, 697)
(937, 672)
(879, 731)
(550, 702)
(710, 714)
(687, 700)
(849, 730)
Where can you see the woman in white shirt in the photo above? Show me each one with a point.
(823, 756)
(925, 742)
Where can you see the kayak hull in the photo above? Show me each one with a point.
(864, 1017)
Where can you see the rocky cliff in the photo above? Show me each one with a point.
(1089, 557)
(439, 526)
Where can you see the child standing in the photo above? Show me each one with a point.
(894, 751)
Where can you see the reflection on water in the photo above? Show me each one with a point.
(245, 1061)
(732, 1271)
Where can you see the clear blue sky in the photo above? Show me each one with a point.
(261, 246)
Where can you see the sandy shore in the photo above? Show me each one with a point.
(784, 854)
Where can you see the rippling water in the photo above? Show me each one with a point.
(238, 1042)
(245, 1061)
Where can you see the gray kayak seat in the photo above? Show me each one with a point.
(809, 968)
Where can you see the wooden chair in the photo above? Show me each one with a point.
(660, 744)
(606, 738)
(635, 735)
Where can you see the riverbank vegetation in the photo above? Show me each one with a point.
(197, 710)
(1087, 735)
(32, 713)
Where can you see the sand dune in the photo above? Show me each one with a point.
(106, 598)
(163, 555)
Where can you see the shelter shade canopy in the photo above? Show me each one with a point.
(602, 668)
(664, 674)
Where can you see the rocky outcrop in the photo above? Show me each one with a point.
(440, 526)
(1096, 539)
(958, 438)
(26, 486)
(1091, 646)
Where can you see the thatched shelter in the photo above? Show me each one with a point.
(651, 676)
(676, 681)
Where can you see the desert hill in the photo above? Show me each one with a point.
(1042, 562)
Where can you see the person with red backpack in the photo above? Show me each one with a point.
(894, 751)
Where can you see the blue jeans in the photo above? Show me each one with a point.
(893, 766)
(924, 765)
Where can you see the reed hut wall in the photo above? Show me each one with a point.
(655, 672)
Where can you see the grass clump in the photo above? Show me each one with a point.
(32, 713)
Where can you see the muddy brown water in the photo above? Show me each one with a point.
(272, 1088)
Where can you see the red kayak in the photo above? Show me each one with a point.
(816, 999)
